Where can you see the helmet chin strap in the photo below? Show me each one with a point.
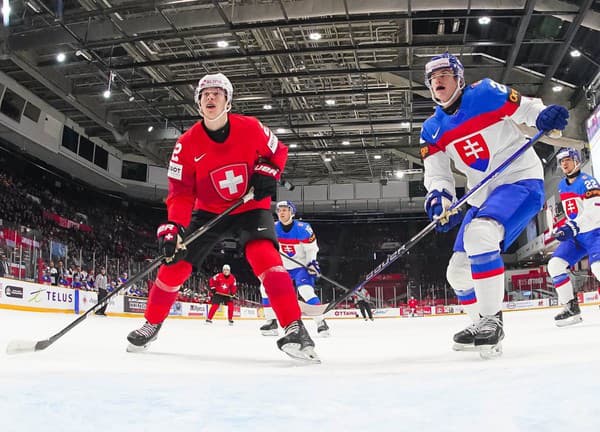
(574, 172)
(452, 99)
(225, 111)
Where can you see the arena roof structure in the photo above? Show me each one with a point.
(341, 81)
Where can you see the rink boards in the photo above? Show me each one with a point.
(28, 296)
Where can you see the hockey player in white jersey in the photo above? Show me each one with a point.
(579, 235)
(475, 126)
(296, 240)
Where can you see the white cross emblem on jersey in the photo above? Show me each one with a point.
(231, 182)
(472, 149)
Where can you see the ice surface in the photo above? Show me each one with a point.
(387, 375)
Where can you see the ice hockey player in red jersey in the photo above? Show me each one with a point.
(214, 164)
(223, 287)
(412, 305)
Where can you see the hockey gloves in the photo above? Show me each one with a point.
(170, 242)
(567, 231)
(436, 205)
(264, 181)
(314, 268)
(552, 117)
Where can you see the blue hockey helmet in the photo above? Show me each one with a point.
(445, 61)
(287, 204)
(568, 152)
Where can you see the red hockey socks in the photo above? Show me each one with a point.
(230, 311)
(282, 296)
(159, 304)
(213, 310)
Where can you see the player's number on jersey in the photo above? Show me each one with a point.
(591, 184)
(176, 151)
(500, 87)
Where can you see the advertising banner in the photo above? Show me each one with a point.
(134, 304)
(20, 293)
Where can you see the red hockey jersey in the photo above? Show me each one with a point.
(223, 284)
(207, 175)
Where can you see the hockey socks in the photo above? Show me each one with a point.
(282, 296)
(159, 304)
(564, 288)
(487, 270)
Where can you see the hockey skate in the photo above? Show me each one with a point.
(490, 332)
(140, 339)
(570, 315)
(297, 343)
(269, 328)
(208, 322)
(322, 328)
(230, 322)
(464, 339)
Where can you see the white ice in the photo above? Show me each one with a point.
(387, 375)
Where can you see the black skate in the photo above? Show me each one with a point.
(208, 321)
(464, 339)
(570, 315)
(297, 343)
(490, 332)
(269, 328)
(140, 339)
(322, 328)
(230, 322)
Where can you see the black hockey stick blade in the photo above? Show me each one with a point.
(22, 346)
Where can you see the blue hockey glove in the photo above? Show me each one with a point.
(552, 117)
(567, 231)
(314, 268)
(436, 203)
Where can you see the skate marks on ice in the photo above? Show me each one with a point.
(207, 378)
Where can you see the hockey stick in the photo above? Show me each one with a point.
(316, 310)
(21, 346)
(550, 221)
(430, 227)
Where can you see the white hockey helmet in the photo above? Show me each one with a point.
(226, 267)
(214, 81)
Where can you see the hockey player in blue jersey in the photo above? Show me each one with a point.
(475, 127)
(579, 235)
(296, 240)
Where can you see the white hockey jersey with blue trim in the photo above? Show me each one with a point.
(478, 137)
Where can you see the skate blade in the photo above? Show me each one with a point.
(569, 322)
(464, 347)
(307, 355)
(324, 334)
(270, 332)
(489, 352)
(131, 348)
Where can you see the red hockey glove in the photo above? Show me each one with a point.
(264, 180)
(170, 242)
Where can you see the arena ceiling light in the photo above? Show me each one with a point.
(61, 57)
(557, 88)
(281, 130)
(327, 159)
(330, 102)
(150, 128)
(293, 145)
(484, 20)
(377, 157)
(345, 142)
(575, 53)
(106, 93)
(315, 36)
(222, 44)
(267, 107)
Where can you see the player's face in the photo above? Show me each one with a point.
(443, 84)
(284, 215)
(226, 272)
(213, 101)
(567, 165)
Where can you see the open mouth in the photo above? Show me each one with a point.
(440, 87)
